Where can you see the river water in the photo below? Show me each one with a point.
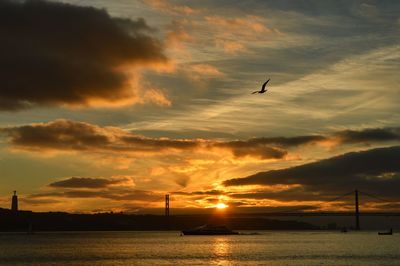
(169, 248)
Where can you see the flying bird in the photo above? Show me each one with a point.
(262, 88)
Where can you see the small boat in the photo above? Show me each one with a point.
(390, 232)
(209, 230)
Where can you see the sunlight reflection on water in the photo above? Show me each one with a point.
(221, 249)
(168, 248)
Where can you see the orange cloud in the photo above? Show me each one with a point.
(234, 35)
(249, 23)
(157, 97)
(201, 72)
(177, 36)
(167, 7)
(206, 70)
(231, 47)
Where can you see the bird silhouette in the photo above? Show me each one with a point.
(262, 88)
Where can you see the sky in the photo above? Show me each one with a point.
(110, 105)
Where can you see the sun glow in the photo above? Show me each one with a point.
(221, 206)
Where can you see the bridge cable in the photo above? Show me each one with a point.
(378, 198)
(305, 207)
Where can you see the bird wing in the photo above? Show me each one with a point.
(255, 92)
(265, 84)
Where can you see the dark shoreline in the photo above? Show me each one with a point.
(26, 221)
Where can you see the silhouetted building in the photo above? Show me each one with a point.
(14, 202)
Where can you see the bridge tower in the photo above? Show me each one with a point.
(357, 213)
(167, 205)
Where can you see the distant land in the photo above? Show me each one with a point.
(23, 221)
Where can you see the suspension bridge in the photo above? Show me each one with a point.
(356, 213)
(300, 212)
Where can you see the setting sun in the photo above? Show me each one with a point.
(221, 206)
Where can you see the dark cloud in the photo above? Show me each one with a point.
(67, 135)
(160, 143)
(39, 202)
(276, 147)
(289, 142)
(263, 152)
(61, 54)
(117, 194)
(375, 171)
(369, 135)
(117, 188)
(200, 193)
(267, 148)
(182, 180)
(59, 135)
(290, 194)
(83, 182)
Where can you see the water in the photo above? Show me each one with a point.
(168, 248)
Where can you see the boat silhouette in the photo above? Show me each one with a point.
(390, 232)
(209, 230)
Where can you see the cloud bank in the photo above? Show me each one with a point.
(68, 135)
(375, 171)
(82, 182)
(116, 188)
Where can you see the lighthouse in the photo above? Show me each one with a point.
(14, 202)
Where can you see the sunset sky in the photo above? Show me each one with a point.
(109, 105)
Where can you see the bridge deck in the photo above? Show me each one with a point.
(386, 214)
